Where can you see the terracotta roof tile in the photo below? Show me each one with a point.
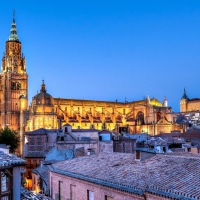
(167, 174)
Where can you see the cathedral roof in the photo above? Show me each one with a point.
(43, 98)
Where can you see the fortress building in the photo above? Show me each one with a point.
(45, 111)
(188, 105)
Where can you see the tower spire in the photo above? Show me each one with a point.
(184, 95)
(13, 31)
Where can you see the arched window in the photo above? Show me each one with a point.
(140, 118)
(158, 115)
(18, 85)
(13, 85)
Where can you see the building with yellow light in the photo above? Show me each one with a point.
(45, 111)
(148, 115)
(13, 84)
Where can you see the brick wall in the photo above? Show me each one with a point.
(154, 197)
(124, 145)
(106, 146)
(81, 188)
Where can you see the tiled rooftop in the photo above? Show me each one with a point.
(28, 195)
(41, 131)
(9, 160)
(43, 172)
(35, 154)
(157, 141)
(176, 175)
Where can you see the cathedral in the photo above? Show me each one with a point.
(147, 115)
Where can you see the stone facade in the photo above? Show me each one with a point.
(133, 117)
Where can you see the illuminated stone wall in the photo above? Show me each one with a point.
(137, 116)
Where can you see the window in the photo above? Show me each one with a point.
(90, 195)
(60, 190)
(108, 198)
(4, 182)
(6, 189)
(137, 155)
(32, 148)
(123, 146)
(72, 192)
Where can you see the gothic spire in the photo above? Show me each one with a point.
(13, 31)
(185, 95)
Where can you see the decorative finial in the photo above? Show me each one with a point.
(43, 89)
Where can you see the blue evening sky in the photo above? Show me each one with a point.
(108, 49)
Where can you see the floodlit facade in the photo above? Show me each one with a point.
(148, 115)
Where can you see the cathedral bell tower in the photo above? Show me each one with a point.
(13, 83)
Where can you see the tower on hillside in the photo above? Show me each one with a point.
(13, 82)
(183, 102)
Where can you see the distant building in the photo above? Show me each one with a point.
(187, 105)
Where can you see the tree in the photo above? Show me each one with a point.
(9, 137)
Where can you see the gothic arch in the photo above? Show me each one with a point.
(158, 116)
(140, 118)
